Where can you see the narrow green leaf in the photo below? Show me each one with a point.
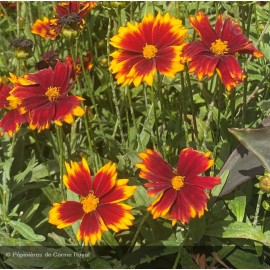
(26, 231)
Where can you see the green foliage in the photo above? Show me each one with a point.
(122, 121)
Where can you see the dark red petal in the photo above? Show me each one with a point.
(65, 105)
(43, 77)
(115, 216)
(42, 116)
(205, 182)
(162, 206)
(230, 72)
(62, 76)
(65, 213)
(195, 48)
(91, 228)
(11, 122)
(192, 162)
(105, 179)
(4, 93)
(154, 168)
(78, 178)
(219, 25)
(189, 203)
(201, 24)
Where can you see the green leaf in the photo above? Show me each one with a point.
(257, 141)
(197, 228)
(250, 260)
(229, 229)
(217, 189)
(238, 206)
(26, 231)
(5, 241)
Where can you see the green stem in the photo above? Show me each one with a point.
(115, 101)
(209, 118)
(154, 102)
(127, 92)
(244, 104)
(181, 246)
(59, 136)
(256, 216)
(195, 129)
(183, 109)
(263, 220)
(137, 232)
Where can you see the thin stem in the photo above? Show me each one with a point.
(256, 216)
(184, 112)
(59, 135)
(115, 101)
(154, 102)
(127, 91)
(137, 232)
(194, 122)
(244, 104)
(209, 118)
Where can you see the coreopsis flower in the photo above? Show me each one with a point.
(100, 207)
(218, 50)
(153, 45)
(44, 96)
(12, 119)
(68, 21)
(180, 192)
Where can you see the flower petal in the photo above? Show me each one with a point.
(154, 168)
(192, 162)
(237, 41)
(201, 24)
(91, 228)
(65, 213)
(116, 216)
(119, 192)
(205, 182)
(12, 121)
(78, 178)
(161, 206)
(41, 116)
(230, 72)
(105, 179)
(44, 28)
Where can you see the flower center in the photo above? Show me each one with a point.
(52, 93)
(90, 202)
(219, 47)
(178, 182)
(149, 51)
(14, 103)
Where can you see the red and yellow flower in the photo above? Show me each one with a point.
(12, 120)
(218, 49)
(100, 207)
(69, 20)
(180, 192)
(154, 44)
(44, 96)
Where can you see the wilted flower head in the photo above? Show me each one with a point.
(49, 59)
(68, 21)
(23, 47)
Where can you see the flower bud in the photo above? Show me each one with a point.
(23, 47)
(264, 183)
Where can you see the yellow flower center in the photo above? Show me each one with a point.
(219, 47)
(52, 93)
(149, 51)
(14, 103)
(178, 182)
(90, 202)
